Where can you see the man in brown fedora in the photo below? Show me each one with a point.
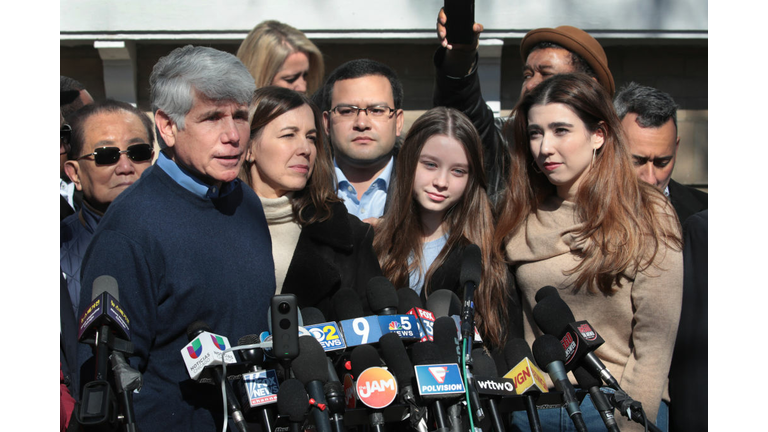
(545, 52)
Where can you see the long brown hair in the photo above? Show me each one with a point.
(624, 218)
(399, 235)
(270, 103)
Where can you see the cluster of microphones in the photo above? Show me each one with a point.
(410, 366)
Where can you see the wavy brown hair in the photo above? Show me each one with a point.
(625, 220)
(270, 103)
(399, 235)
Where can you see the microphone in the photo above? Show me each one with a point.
(201, 340)
(293, 402)
(376, 387)
(548, 351)
(529, 380)
(409, 303)
(312, 315)
(554, 317)
(305, 367)
(259, 387)
(105, 325)
(346, 304)
(546, 291)
(444, 302)
(329, 336)
(425, 354)
(407, 299)
(447, 341)
(579, 340)
(469, 278)
(393, 351)
(588, 381)
(382, 297)
(487, 381)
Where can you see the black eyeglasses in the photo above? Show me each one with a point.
(349, 111)
(110, 155)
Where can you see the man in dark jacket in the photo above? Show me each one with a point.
(545, 51)
(649, 119)
(110, 146)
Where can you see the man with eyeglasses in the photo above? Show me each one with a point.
(187, 242)
(363, 117)
(110, 146)
(649, 119)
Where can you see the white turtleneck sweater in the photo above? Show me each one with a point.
(284, 232)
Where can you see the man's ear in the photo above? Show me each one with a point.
(400, 114)
(166, 127)
(72, 168)
(327, 122)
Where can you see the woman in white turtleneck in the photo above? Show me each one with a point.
(318, 248)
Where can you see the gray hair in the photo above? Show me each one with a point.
(652, 106)
(217, 75)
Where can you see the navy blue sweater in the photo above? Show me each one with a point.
(179, 258)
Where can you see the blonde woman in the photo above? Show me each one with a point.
(280, 55)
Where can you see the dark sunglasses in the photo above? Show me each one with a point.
(64, 134)
(110, 155)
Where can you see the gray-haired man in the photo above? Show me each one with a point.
(187, 241)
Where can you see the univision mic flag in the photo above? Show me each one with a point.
(205, 350)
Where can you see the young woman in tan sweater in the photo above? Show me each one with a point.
(576, 217)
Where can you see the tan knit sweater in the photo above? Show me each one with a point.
(284, 232)
(638, 323)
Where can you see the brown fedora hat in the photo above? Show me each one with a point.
(575, 40)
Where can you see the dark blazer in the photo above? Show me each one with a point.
(686, 200)
(688, 371)
(330, 255)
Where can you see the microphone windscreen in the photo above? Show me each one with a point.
(252, 355)
(381, 294)
(347, 304)
(312, 315)
(407, 299)
(497, 354)
(471, 265)
(292, 400)
(444, 302)
(546, 292)
(446, 338)
(393, 351)
(547, 349)
(483, 364)
(362, 358)
(424, 353)
(197, 327)
(310, 365)
(105, 283)
(552, 315)
(515, 351)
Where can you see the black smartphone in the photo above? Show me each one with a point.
(285, 327)
(460, 17)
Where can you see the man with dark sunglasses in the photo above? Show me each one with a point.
(110, 145)
(188, 241)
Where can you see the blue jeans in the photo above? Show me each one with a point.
(558, 420)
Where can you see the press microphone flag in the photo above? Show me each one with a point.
(206, 350)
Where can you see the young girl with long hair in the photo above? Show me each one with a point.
(576, 217)
(439, 206)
